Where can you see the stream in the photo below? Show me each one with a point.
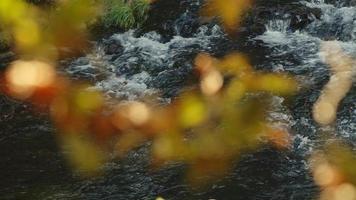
(157, 60)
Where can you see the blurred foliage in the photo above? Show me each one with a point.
(4, 40)
(334, 171)
(42, 2)
(340, 83)
(334, 165)
(230, 12)
(48, 21)
(39, 33)
(207, 128)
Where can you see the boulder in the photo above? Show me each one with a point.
(112, 46)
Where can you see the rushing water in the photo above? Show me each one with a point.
(149, 63)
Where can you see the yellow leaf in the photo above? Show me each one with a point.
(192, 111)
(273, 83)
(235, 63)
(88, 100)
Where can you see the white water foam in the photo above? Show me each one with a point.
(304, 46)
(149, 53)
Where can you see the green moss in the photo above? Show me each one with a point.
(119, 13)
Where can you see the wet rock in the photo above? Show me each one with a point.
(341, 3)
(353, 3)
(81, 61)
(257, 29)
(164, 15)
(113, 46)
(128, 69)
(303, 16)
(185, 63)
(171, 81)
(187, 24)
(263, 11)
(154, 69)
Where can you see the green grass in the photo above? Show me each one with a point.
(119, 13)
(124, 14)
